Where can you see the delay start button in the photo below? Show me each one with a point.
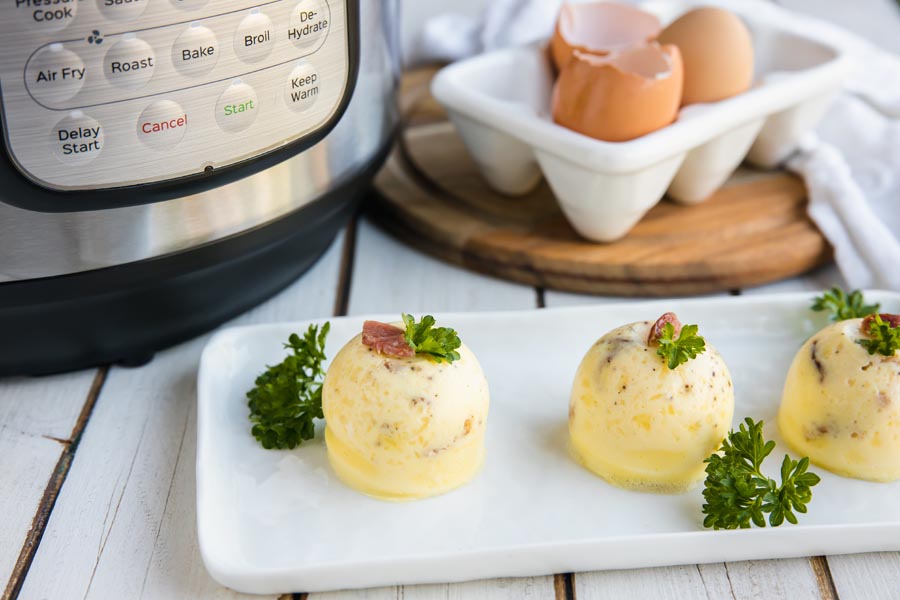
(130, 62)
(302, 87)
(162, 124)
(54, 74)
(237, 107)
(254, 37)
(45, 15)
(309, 23)
(196, 50)
(77, 139)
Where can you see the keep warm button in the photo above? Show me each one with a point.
(237, 107)
(162, 124)
(302, 87)
(77, 139)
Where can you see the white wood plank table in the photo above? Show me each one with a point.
(97, 467)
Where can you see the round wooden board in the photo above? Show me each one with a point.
(754, 230)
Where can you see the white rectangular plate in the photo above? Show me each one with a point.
(279, 521)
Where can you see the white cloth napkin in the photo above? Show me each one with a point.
(851, 163)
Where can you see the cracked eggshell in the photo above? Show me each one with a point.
(841, 405)
(621, 96)
(599, 28)
(717, 51)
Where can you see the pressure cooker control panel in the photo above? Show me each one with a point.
(102, 94)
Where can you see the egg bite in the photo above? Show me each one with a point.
(401, 425)
(841, 405)
(641, 425)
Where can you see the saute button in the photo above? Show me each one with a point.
(309, 23)
(130, 62)
(122, 10)
(189, 4)
(77, 139)
(162, 124)
(45, 15)
(54, 74)
(237, 107)
(302, 87)
(254, 37)
(196, 50)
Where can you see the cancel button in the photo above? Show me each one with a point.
(162, 124)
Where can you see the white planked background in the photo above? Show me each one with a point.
(97, 467)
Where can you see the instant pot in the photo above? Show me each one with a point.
(167, 164)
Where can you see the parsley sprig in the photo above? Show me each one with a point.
(883, 338)
(738, 494)
(676, 351)
(440, 343)
(288, 396)
(842, 305)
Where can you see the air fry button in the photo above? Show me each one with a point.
(54, 74)
(77, 139)
(309, 23)
(162, 124)
(237, 107)
(302, 87)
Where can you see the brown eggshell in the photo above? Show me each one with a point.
(599, 28)
(717, 51)
(622, 96)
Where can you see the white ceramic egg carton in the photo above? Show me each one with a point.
(500, 104)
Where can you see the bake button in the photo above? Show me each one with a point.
(254, 37)
(44, 15)
(130, 62)
(189, 4)
(237, 107)
(302, 87)
(54, 74)
(309, 23)
(122, 10)
(195, 51)
(162, 124)
(77, 139)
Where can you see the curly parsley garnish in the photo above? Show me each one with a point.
(440, 343)
(676, 351)
(883, 338)
(288, 396)
(738, 494)
(842, 305)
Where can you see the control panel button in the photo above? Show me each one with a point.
(162, 124)
(54, 74)
(196, 50)
(237, 107)
(45, 15)
(77, 139)
(254, 37)
(302, 87)
(122, 10)
(309, 23)
(190, 4)
(130, 62)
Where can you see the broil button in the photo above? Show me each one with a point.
(309, 23)
(237, 107)
(162, 124)
(77, 139)
(130, 62)
(302, 87)
(196, 50)
(54, 74)
(254, 37)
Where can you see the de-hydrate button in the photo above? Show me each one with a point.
(237, 107)
(130, 62)
(196, 50)
(302, 87)
(162, 124)
(54, 74)
(254, 37)
(122, 10)
(77, 139)
(309, 23)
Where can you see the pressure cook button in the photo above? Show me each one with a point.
(77, 139)
(196, 50)
(254, 37)
(46, 15)
(190, 4)
(309, 23)
(130, 62)
(54, 74)
(122, 10)
(237, 107)
(302, 87)
(162, 124)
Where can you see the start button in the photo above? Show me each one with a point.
(237, 107)
(162, 124)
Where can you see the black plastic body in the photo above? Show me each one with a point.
(19, 191)
(124, 314)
